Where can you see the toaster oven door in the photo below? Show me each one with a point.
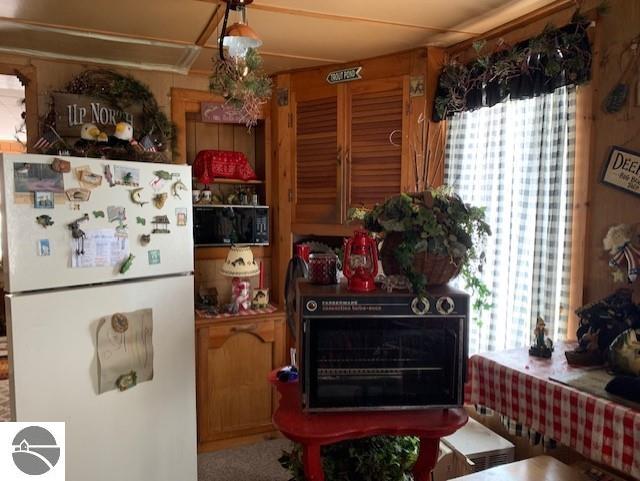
(383, 363)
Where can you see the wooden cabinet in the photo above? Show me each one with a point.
(234, 357)
(349, 146)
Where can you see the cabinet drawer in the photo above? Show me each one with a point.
(218, 335)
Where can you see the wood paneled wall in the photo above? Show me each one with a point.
(608, 206)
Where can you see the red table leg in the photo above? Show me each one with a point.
(312, 463)
(427, 458)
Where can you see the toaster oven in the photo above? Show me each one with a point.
(223, 225)
(378, 350)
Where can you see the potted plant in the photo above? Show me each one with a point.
(377, 458)
(431, 237)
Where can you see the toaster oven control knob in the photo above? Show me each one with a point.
(312, 306)
(445, 305)
(420, 305)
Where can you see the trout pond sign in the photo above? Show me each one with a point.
(344, 75)
(622, 170)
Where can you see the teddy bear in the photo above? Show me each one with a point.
(619, 243)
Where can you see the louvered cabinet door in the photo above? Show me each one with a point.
(375, 138)
(318, 160)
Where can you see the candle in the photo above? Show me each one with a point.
(261, 282)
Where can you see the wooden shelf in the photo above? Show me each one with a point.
(202, 321)
(232, 181)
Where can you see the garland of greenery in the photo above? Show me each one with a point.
(120, 92)
(243, 84)
(555, 58)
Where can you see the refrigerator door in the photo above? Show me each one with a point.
(38, 257)
(145, 433)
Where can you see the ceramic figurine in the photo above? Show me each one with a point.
(624, 353)
(240, 294)
(126, 265)
(135, 196)
(543, 346)
(44, 220)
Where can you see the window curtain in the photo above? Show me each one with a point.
(517, 160)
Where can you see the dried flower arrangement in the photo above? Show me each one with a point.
(243, 84)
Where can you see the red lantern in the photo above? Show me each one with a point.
(361, 262)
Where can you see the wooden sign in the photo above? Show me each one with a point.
(622, 170)
(216, 112)
(344, 75)
(74, 110)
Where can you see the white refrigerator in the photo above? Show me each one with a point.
(64, 279)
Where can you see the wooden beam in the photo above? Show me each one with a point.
(211, 26)
(518, 23)
(349, 18)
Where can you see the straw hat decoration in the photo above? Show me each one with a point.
(240, 263)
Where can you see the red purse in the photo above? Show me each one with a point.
(212, 164)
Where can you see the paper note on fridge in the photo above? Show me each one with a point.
(125, 350)
(99, 248)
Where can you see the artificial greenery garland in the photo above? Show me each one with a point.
(120, 92)
(243, 84)
(555, 58)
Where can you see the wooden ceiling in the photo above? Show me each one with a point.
(181, 35)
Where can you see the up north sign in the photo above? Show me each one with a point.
(74, 110)
(344, 75)
(622, 170)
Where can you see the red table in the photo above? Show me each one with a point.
(518, 386)
(316, 430)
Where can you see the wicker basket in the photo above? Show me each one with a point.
(437, 269)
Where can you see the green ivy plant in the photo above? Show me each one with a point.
(378, 458)
(243, 84)
(436, 222)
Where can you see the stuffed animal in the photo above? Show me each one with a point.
(122, 136)
(619, 243)
(90, 135)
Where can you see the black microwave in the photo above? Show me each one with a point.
(222, 225)
(379, 350)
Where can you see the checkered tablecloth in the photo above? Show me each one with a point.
(518, 386)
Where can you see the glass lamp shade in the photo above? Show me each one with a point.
(240, 38)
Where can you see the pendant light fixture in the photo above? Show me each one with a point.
(239, 37)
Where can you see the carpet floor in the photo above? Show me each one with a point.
(257, 462)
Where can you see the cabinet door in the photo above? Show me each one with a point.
(318, 157)
(377, 140)
(235, 398)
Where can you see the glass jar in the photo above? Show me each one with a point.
(323, 268)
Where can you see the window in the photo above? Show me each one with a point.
(517, 160)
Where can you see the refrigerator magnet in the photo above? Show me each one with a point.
(145, 239)
(43, 200)
(44, 247)
(141, 221)
(181, 216)
(154, 257)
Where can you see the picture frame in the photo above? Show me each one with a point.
(621, 170)
(43, 200)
